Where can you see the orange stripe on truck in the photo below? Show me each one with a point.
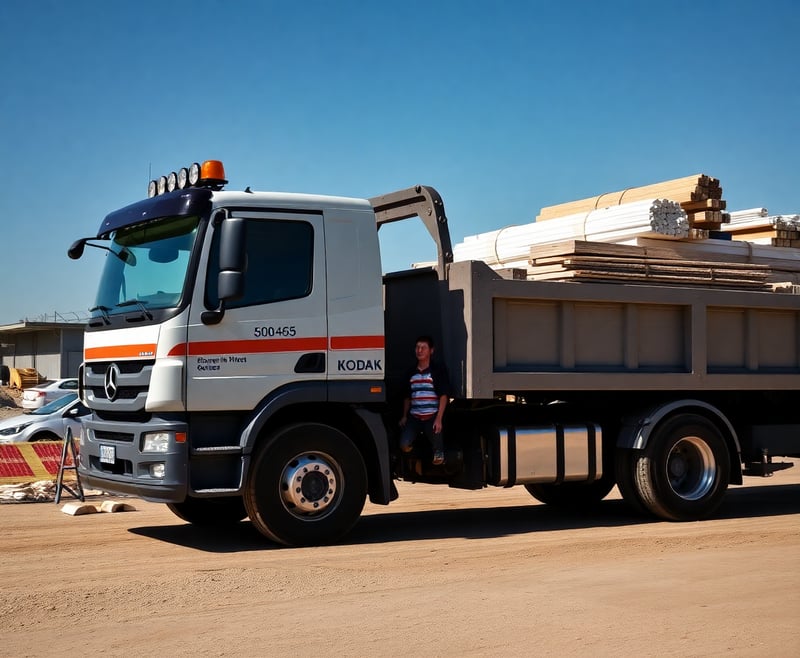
(263, 346)
(314, 344)
(357, 342)
(120, 352)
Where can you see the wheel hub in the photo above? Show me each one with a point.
(309, 484)
(691, 468)
(677, 466)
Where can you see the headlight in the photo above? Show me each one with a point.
(183, 178)
(156, 442)
(15, 430)
(194, 173)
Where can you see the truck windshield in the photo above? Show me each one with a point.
(147, 268)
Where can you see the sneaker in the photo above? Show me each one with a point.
(438, 458)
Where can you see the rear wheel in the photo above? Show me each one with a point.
(210, 511)
(307, 485)
(574, 495)
(624, 461)
(684, 471)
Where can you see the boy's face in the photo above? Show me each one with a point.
(423, 351)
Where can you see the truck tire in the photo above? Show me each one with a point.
(624, 466)
(307, 485)
(572, 495)
(684, 471)
(210, 511)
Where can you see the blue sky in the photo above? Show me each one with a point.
(504, 107)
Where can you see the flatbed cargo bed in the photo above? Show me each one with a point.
(503, 335)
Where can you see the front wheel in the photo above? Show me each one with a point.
(684, 471)
(307, 485)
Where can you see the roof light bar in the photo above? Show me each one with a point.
(210, 174)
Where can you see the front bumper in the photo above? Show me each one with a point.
(124, 468)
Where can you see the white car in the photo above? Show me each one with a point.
(38, 396)
(49, 423)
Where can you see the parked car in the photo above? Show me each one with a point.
(48, 423)
(38, 396)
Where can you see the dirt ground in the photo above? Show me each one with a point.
(439, 572)
(10, 399)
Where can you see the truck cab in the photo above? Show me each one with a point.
(219, 316)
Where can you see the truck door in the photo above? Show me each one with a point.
(276, 333)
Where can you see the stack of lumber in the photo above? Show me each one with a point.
(591, 261)
(756, 225)
(699, 195)
(510, 247)
(24, 377)
(654, 234)
(783, 262)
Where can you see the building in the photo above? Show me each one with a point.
(55, 349)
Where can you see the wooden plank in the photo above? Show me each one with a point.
(701, 216)
(546, 269)
(779, 264)
(725, 250)
(688, 189)
(752, 234)
(646, 271)
(745, 267)
(568, 247)
(708, 204)
(680, 280)
(599, 276)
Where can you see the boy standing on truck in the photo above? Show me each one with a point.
(426, 398)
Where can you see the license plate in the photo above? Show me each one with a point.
(108, 454)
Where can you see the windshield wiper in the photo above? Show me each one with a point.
(104, 310)
(131, 302)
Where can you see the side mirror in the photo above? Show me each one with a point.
(232, 244)
(231, 258)
(76, 250)
(232, 262)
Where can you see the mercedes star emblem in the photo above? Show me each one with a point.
(112, 375)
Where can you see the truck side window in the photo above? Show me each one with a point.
(280, 259)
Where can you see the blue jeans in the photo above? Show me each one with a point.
(416, 426)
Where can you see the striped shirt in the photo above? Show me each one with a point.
(424, 400)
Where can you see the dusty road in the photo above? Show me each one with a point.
(485, 573)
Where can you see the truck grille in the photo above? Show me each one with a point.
(132, 382)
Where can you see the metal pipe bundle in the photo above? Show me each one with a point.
(510, 246)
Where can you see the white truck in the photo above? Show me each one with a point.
(245, 357)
